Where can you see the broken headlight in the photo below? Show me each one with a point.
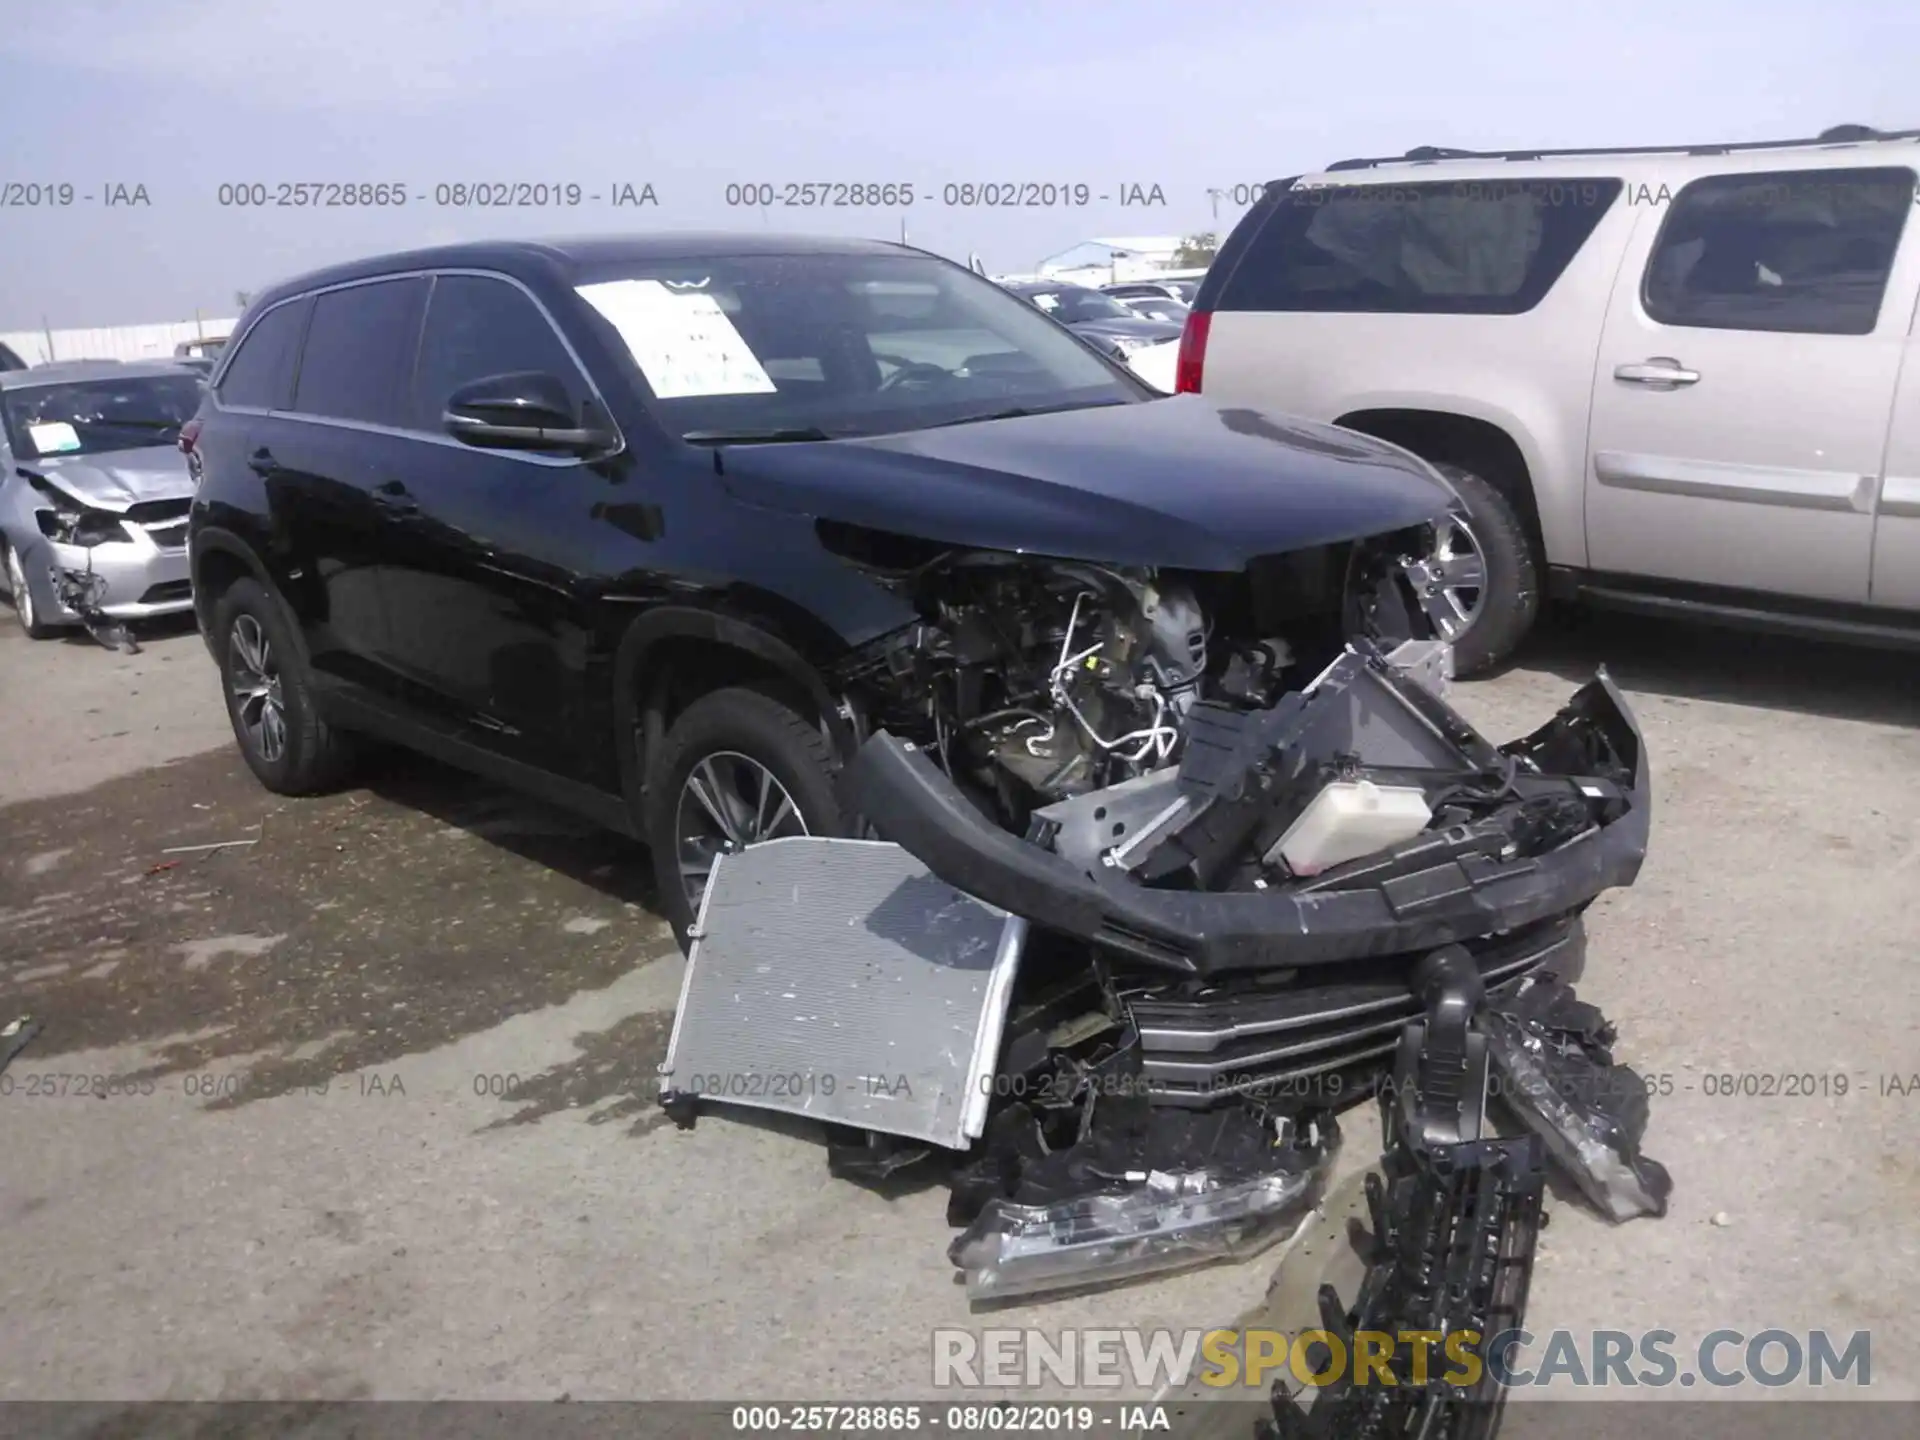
(69, 522)
(1163, 1220)
(80, 527)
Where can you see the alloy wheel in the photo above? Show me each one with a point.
(254, 683)
(1450, 579)
(22, 595)
(728, 802)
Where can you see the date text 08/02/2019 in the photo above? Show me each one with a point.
(954, 194)
(985, 1419)
(442, 194)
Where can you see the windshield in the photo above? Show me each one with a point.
(1071, 304)
(841, 345)
(1158, 307)
(89, 417)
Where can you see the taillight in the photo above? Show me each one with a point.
(189, 433)
(1192, 358)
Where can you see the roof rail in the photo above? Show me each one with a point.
(1833, 135)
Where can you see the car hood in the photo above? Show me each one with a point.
(119, 479)
(1176, 482)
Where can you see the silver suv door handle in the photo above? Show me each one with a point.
(1662, 372)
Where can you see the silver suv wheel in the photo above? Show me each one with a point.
(1450, 578)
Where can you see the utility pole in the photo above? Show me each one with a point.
(48, 331)
(1214, 193)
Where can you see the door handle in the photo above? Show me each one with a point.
(1662, 372)
(393, 498)
(261, 462)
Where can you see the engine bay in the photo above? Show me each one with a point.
(1035, 680)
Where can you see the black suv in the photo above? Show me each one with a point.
(662, 529)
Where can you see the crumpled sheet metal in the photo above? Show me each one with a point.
(1554, 1065)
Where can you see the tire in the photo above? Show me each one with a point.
(22, 598)
(1425, 591)
(731, 731)
(1510, 601)
(310, 756)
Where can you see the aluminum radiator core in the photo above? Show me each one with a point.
(840, 980)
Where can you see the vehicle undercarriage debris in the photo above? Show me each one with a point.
(82, 591)
(1150, 900)
(1455, 1217)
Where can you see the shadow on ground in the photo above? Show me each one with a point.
(614, 1077)
(355, 929)
(1736, 667)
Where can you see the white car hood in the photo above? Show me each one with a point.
(1155, 364)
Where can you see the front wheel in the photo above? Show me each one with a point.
(737, 767)
(22, 596)
(1470, 578)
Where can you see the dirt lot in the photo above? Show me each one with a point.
(307, 1178)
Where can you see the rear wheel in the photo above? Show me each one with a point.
(22, 596)
(270, 698)
(737, 767)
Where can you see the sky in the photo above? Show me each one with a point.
(183, 97)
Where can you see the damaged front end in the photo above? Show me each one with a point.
(79, 536)
(1138, 912)
(1250, 860)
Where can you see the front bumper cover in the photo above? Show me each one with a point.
(134, 579)
(1463, 894)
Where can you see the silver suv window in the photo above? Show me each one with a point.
(1466, 247)
(1806, 252)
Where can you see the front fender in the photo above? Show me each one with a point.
(681, 622)
(212, 540)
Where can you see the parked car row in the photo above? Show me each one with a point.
(1114, 326)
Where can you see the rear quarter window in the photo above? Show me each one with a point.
(1467, 247)
(260, 372)
(1803, 252)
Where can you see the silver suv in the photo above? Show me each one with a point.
(1683, 379)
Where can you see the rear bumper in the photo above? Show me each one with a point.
(911, 802)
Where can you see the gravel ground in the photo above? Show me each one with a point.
(308, 1181)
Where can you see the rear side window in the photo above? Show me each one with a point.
(359, 352)
(476, 327)
(1805, 252)
(1475, 247)
(262, 368)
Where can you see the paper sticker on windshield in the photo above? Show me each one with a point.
(53, 436)
(1047, 302)
(682, 341)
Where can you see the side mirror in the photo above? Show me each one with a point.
(528, 410)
